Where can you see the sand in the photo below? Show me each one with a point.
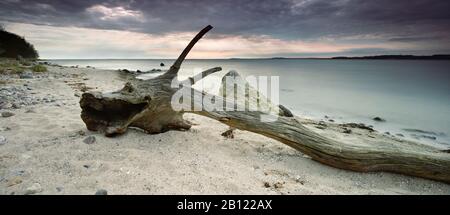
(44, 146)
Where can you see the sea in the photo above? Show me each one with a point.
(413, 96)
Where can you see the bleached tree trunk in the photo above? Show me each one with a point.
(146, 104)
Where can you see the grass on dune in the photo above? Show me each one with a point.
(39, 68)
(12, 66)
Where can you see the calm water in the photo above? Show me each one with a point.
(408, 94)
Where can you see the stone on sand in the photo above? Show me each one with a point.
(89, 140)
(35, 188)
(278, 185)
(101, 192)
(347, 131)
(7, 114)
(2, 140)
(26, 75)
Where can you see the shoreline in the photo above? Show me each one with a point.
(45, 145)
(400, 112)
(422, 134)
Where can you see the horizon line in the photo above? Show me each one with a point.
(269, 58)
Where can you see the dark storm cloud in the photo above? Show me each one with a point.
(305, 19)
(285, 27)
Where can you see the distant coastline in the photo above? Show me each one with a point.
(397, 57)
(375, 57)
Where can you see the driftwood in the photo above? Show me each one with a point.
(146, 104)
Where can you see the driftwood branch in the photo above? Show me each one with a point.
(146, 104)
(404, 158)
(200, 76)
(173, 71)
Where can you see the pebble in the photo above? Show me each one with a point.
(299, 180)
(81, 132)
(321, 127)
(35, 188)
(14, 181)
(358, 125)
(20, 96)
(347, 131)
(7, 114)
(101, 192)
(89, 140)
(2, 140)
(26, 76)
(278, 185)
(228, 134)
(59, 189)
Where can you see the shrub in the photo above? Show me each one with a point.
(10, 66)
(39, 68)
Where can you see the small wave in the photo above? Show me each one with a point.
(424, 132)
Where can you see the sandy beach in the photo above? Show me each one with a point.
(43, 151)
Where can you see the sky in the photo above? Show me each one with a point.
(92, 29)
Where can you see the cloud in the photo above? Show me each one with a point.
(303, 19)
(115, 13)
(75, 42)
(365, 23)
